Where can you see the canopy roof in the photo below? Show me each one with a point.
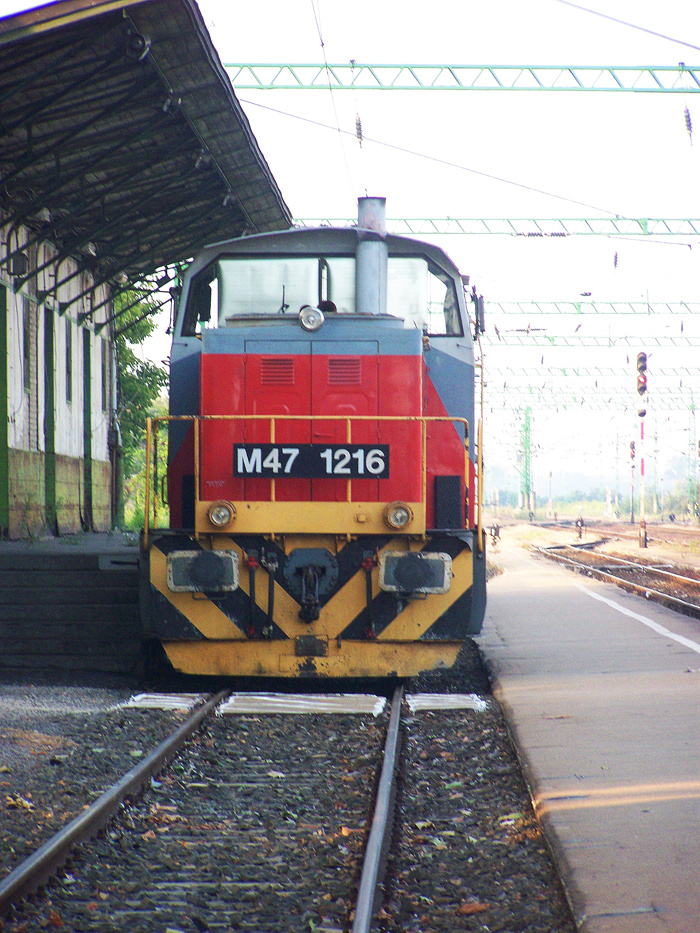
(121, 140)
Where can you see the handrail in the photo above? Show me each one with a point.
(480, 448)
(146, 496)
(423, 420)
(480, 484)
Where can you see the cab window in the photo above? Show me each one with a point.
(236, 289)
(423, 295)
(232, 290)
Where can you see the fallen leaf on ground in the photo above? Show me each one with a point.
(467, 908)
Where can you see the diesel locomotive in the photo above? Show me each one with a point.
(323, 475)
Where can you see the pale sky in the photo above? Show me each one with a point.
(626, 154)
(622, 153)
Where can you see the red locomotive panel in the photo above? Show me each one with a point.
(445, 450)
(300, 384)
(345, 385)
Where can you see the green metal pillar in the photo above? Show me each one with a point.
(87, 431)
(4, 437)
(526, 461)
(49, 421)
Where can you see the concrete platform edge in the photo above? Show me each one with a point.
(557, 850)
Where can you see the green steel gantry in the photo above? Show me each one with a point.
(594, 307)
(585, 372)
(534, 337)
(510, 398)
(525, 227)
(352, 75)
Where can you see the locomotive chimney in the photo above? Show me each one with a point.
(372, 256)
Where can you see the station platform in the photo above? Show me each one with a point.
(601, 690)
(89, 542)
(71, 604)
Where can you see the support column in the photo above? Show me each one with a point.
(87, 519)
(4, 437)
(50, 421)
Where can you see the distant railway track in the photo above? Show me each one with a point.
(671, 534)
(653, 580)
(656, 534)
(286, 813)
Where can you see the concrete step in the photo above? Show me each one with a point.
(77, 611)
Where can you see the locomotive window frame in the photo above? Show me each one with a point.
(438, 318)
(199, 300)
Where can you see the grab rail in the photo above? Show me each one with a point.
(197, 420)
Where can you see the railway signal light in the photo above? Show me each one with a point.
(641, 373)
(632, 450)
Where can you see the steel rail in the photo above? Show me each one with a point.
(43, 863)
(688, 608)
(378, 840)
(648, 568)
(197, 420)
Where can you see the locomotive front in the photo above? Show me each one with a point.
(322, 477)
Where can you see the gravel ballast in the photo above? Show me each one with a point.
(468, 853)
(60, 748)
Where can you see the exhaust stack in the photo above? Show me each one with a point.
(371, 257)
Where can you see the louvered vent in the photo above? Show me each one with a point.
(345, 371)
(277, 371)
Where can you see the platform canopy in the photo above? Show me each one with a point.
(121, 140)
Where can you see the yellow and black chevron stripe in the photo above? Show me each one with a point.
(354, 636)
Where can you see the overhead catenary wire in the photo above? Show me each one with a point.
(437, 160)
(330, 89)
(623, 22)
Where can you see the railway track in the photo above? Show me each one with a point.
(266, 821)
(677, 535)
(653, 580)
(257, 824)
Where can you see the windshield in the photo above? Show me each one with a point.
(279, 285)
(232, 290)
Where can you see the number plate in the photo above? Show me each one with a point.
(312, 461)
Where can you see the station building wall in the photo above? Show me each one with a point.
(56, 380)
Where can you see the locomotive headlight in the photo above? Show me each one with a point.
(311, 318)
(398, 515)
(221, 513)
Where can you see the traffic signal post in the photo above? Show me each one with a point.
(632, 456)
(641, 389)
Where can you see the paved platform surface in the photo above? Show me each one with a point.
(602, 693)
